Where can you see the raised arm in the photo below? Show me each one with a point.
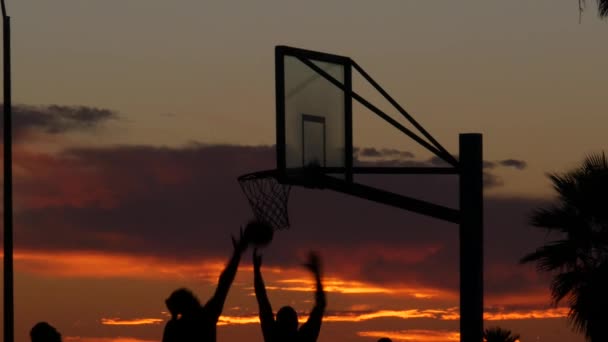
(215, 305)
(312, 327)
(266, 314)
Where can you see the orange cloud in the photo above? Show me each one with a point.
(540, 297)
(530, 314)
(414, 335)
(104, 339)
(103, 265)
(448, 314)
(337, 285)
(441, 314)
(237, 320)
(353, 317)
(134, 321)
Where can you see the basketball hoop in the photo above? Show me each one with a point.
(267, 197)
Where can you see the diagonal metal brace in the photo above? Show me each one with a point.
(388, 198)
(375, 109)
(447, 157)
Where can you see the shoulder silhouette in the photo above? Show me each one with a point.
(44, 332)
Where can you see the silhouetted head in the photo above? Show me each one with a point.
(182, 301)
(44, 332)
(385, 339)
(287, 320)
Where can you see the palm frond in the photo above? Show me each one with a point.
(498, 334)
(602, 8)
(579, 258)
(565, 285)
(588, 312)
(565, 185)
(596, 161)
(556, 219)
(555, 256)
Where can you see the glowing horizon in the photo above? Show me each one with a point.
(128, 139)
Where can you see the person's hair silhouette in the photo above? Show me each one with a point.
(385, 339)
(285, 327)
(44, 332)
(190, 321)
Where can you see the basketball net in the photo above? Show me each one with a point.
(267, 198)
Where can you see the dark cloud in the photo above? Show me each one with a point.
(390, 163)
(55, 119)
(436, 161)
(488, 164)
(384, 153)
(139, 198)
(394, 158)
(385, 157)
(183, 203)
(491, 180)
(369, 156)
(369, 152)
(394, 152)
(515, 163)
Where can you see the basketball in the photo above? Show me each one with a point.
(258, 233)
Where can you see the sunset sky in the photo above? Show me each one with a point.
(134, 118)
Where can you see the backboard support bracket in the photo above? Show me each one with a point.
(388, 198)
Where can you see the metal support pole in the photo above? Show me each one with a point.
(9, 311)
(471, 238)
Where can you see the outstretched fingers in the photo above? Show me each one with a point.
(313, 263)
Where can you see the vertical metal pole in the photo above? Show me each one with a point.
(471, 238)
(348, 122)
(8, 189)
(279, 74)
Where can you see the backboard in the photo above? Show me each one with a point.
(314, 116)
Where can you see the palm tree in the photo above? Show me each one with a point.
(602, 7)
(497, 334)
(578, 256)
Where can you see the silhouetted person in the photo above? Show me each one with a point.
(285, 327)
(44, 332)
(174, 303)
(385, 339)
(190, 321)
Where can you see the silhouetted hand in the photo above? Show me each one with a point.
(241, 244)
(257, 260)
(313, 263)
